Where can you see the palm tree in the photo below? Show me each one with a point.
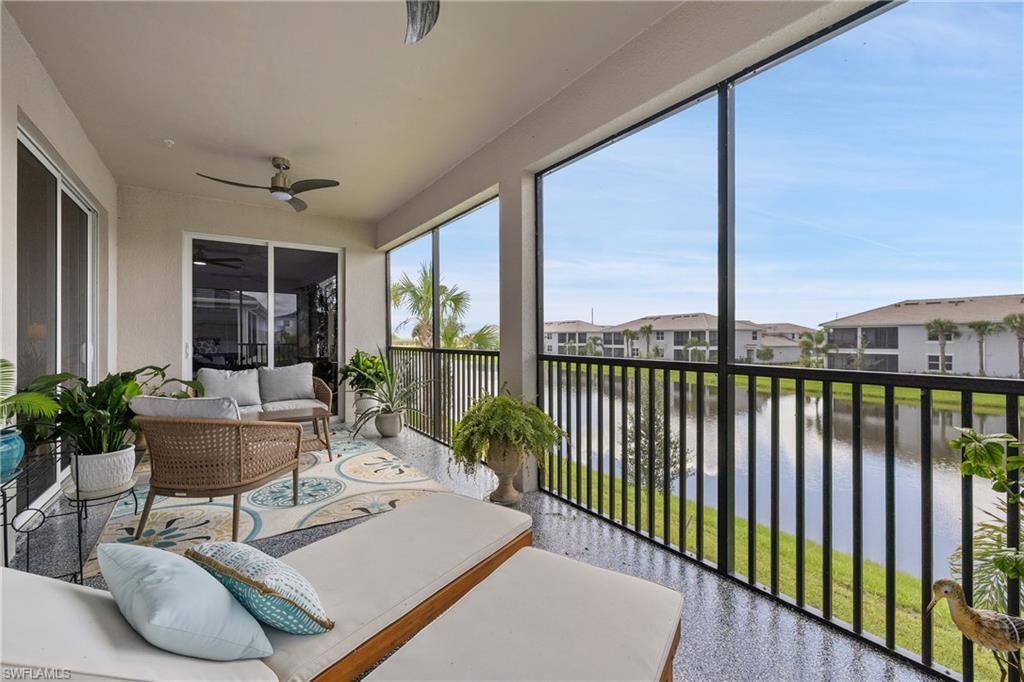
(696, 344)
(943, 330)
(630, 335)
(594, 345)
(814, 346)
(1015, 323)
(765, 354)
(484, 338)
(647, 331)
(981, 329)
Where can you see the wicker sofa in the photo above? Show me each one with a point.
(268, 390)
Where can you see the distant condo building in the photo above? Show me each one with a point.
(894, 338)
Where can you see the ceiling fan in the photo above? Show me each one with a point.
(279, 187)
(421, 17)
(199, 257)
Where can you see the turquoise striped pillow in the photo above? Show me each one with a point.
(271, 590)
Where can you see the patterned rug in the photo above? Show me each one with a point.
(362, 480)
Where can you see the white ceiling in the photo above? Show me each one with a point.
(328, 84)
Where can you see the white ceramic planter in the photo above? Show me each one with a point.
(93, 473)
(363, 403)
(388, 425)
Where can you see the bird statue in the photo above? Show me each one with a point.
(997, 632)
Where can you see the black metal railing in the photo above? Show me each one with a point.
(454, 379)
(840, 499)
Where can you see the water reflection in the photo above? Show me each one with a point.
(946, 478)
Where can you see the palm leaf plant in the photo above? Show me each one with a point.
(26, 403)
(362, 371)
(943, 330)
(394, 391)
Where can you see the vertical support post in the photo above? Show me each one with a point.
(726, 323)
(435, 334)
(519, 246)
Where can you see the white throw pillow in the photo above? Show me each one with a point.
(177, 606)
(242, 385)
(186, 408)
(294, 382)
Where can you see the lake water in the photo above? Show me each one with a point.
(946, 478)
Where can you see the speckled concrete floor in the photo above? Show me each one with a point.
(728, 633)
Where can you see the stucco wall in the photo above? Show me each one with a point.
(29, 97)
(153, 225)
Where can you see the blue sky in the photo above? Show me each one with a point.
(882, 165)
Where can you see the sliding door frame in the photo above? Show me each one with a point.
(186, 294)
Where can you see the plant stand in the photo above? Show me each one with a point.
(80, 502)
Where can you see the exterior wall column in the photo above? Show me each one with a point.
(518, 294)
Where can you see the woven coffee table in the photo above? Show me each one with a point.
(318, 417)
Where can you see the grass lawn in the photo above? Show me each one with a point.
(984, 403)
(946, 639)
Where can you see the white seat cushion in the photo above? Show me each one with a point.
(279, 405)
(371, 575)
(51, 624)
(190, 408)
(541, 616)
(249, 411)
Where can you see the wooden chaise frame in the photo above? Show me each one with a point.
(370, 652)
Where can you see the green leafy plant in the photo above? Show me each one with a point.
(363, 371)
(507, 420)
(26, 403)
(96, 418)
(985, 455)
(393, 391)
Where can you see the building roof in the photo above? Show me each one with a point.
(776, 341)
(923, 310)
(680, 322)
(571, 326)
(783, 328)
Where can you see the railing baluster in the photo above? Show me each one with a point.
(637, 456)
(624, 427)
(774, 484)
(890, 517)
(684, 464)
(800, 492)
(578, 397)
(700, 465)
(666, 454)
(967, 536)
(590, 421)
(858, 512)
(752, 480)
(826, 500)
(651, 420)
(600, 439)
(1013, 521)
(561, 424)
(551, 411)
(926, 524)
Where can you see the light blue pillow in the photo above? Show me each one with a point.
(272, 590)
(177, 606)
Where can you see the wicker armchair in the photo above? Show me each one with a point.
(216, 457)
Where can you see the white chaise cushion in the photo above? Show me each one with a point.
(371, 575)
(53, 625)
(541, 616)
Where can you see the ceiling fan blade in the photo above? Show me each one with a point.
(217, 264)
(297, 204)
(306, 185)
(422, 15)
(231, 182)
(223, 260)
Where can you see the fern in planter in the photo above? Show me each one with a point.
(503, 420)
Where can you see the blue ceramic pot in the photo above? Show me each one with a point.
(12, 449)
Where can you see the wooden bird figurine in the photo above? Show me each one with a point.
(997, 632)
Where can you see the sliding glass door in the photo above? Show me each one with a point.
(55, 285)
(239, 287)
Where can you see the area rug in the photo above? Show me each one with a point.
(362, 480)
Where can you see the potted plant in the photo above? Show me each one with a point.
(97, 423)
(392, 395)
(362, 373)
(26, 403)
(499, 431)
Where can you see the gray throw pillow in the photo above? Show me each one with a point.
(242, 385)
(294, 382)
(189, 408)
